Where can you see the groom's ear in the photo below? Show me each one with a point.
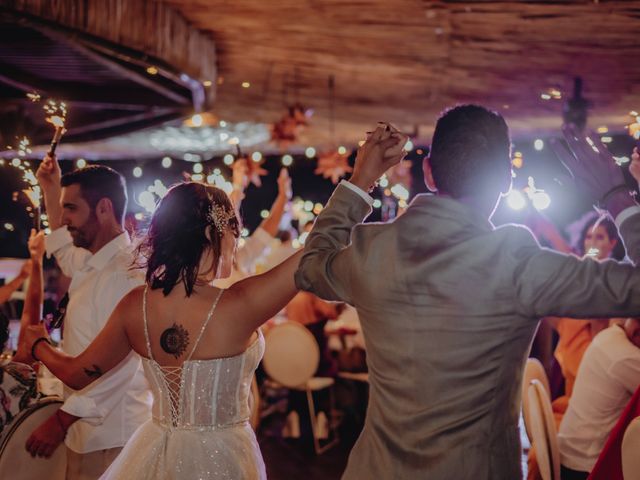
(428, 174)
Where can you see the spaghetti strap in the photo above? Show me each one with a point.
(144, 319)
(206, 322)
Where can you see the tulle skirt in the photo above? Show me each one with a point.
(160, 453)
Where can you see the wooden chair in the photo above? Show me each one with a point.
(533, 370)
(631, 451)
(543, 431)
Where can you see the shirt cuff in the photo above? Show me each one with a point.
(56, 240)
(364, 195)
(626, 213)
(83, 407)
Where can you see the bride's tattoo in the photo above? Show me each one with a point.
(174, 340)
(93, 373)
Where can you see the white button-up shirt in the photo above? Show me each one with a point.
(115, 405)
(608, 376)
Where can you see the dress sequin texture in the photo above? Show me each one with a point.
(204, 433)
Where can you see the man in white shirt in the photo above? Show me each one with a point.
(94, 250)
(608, 376)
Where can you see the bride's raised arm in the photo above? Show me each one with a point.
(264, 295)
(109, 348)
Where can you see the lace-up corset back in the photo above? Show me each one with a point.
(202, 393)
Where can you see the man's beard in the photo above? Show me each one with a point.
(79, 239)
(84, 236)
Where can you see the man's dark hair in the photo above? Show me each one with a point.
(470, 152)
(97, 182)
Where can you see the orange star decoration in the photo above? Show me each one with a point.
(286, 130)
(401, 173)
(255, 171)
(333, 165)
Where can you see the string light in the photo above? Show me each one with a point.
(228, 159)
(81, 163)
(310, 152)
(538, 144)
(137, 172)
(287, 160)
(166, 162)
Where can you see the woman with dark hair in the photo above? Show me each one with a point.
(200, 344)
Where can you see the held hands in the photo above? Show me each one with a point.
(48, 173)
(382, 150)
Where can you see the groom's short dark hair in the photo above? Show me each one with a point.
(97, 182)
(470, 152)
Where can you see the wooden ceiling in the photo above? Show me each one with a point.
(406, 60)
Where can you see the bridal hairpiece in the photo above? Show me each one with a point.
(219, 216)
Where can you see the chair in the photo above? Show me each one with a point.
(630, 450)
(543, 431)
(18, 464)
(533, 370)
(291, 357)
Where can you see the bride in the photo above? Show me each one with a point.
(200, 345)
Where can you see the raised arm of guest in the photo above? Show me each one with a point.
(32, 310)
(259, 241)
(549, 283)
(7, 289)
(239, 180)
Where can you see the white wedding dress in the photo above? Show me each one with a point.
(200, 426)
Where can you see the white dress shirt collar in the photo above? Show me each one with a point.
(101, 258)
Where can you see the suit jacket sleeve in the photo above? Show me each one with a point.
(550, 283)
(330, 261)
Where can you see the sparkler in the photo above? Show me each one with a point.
(57, 114)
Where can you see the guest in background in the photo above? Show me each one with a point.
(607, 378)
(314, 313)
(257, 244)
(18, 382)
(7, 289)
(95, 251)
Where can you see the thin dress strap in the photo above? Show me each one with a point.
(144, 319)
(206, 322)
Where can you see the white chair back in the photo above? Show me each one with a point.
(533, 370)
(631, 451)
(291, 354)
(18, 464)
(543, 431)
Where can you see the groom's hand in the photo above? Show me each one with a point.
(381, 151)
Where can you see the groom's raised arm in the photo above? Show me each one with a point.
(333, 254)
(330, 259)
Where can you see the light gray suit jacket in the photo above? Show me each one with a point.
(449, 306)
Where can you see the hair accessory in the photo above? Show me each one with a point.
(219, 216)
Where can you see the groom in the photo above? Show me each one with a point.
(449, 304)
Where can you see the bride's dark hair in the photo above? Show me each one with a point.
(182, 228)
